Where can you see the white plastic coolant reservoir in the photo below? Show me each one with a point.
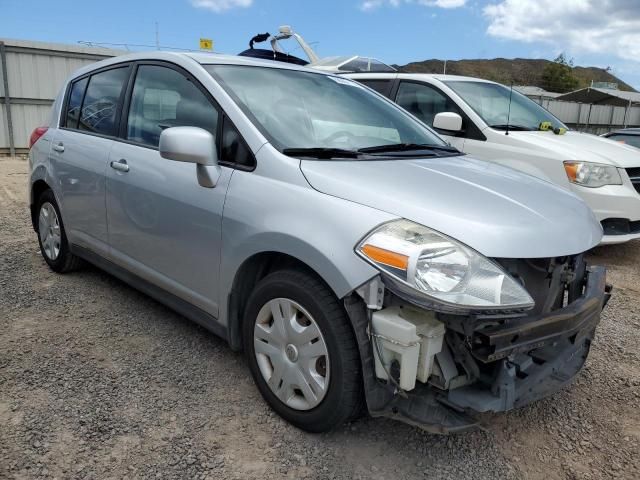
(412, 337)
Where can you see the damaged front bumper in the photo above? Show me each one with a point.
(495, 365)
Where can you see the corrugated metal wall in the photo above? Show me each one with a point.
(592, 118)
(35, 73)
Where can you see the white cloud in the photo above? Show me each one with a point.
(221, 5)
(373, 4)
(609, 27)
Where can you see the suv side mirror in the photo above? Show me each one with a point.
(192, 145)
(448, 121)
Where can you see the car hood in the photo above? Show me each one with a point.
(496, 210)
(582, 146)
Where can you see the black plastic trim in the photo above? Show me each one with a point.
(525, 334)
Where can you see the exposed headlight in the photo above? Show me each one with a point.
(592, 175)
(441, 269)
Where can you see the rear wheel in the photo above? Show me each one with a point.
(52, 237)
(302, 352)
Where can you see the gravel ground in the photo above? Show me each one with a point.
(99, 381)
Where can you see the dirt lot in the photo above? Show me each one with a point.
(99, 381)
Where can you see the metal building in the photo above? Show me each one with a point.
(602, 96)
(31, 75)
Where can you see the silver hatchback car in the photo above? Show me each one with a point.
(357, 259)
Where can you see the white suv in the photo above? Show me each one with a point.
(494, 123)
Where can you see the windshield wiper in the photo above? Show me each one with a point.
(321, 152)
(520, 128)
(407, 147)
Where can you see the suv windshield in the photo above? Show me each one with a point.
(336, 117)
(491, 102)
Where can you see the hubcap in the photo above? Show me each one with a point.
(49, 231)
(291, 353)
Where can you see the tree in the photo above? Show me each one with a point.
(558, 75)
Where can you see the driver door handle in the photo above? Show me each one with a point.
(120, 165)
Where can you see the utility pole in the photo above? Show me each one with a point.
(444, 72)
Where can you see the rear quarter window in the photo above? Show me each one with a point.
(75, 103)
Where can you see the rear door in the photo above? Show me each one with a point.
(164, 226)
(80, 150)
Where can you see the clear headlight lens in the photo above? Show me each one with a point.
(592, 175)
(443, 269)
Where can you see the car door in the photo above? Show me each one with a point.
(80, 153)
(164, 226)
(425, 102)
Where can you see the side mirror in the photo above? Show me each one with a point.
(192, 145)
(448, 121)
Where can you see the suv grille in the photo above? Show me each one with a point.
(634, 175)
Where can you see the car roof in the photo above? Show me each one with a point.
(417, 76)
(197, 57)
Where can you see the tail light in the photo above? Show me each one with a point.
(36, 134)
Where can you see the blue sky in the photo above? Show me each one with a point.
(594, 32)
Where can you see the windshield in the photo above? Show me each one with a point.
(303, 110)
(491, 102)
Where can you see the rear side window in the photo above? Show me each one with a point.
(380, 86)
(162, 98)
(75, 102)
(100, 104)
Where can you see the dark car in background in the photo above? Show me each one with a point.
(630, 136)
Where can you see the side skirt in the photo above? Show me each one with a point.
(170, 300)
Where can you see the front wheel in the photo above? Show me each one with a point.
(302, 352)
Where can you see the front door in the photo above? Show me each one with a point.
(425, 102)
(164, 226)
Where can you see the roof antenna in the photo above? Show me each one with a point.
(506, 132)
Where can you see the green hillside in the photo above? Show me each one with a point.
(520, 71)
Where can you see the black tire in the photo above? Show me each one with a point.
(343, 398)
(65, 261)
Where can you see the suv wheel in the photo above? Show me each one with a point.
(51, 236)
(302, 352)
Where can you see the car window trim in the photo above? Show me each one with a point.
(473, 133)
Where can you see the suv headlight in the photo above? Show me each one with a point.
(592, 175)
(440, 269)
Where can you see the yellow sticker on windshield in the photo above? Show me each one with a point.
(544, 126)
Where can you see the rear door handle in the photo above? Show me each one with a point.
(59, 147)
(120, 165)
